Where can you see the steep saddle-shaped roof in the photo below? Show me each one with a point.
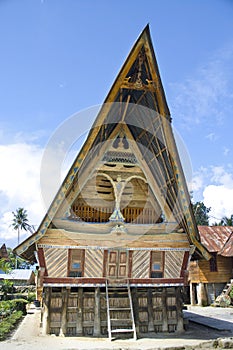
(135, 111)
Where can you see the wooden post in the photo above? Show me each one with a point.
(192, 294)
(201, 295)
(64, 312)
(135, 308)
(151, 327)
(97, 328)
(179, 312)
(46, 314)
(164, 311)
(79, 326)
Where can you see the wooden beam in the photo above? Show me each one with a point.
(45, 312)
(151, 327)
(64, 296)
(97, 324)
(79, 325)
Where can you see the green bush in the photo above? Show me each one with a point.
(7, 324)
(20, 305)
(7, 307)
(31, 297)
(7, 287)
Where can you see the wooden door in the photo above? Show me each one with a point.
(117, 264)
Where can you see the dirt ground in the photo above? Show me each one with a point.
(28, 336)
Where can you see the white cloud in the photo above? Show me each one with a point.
(221, 176)
(219, 199)
(196, 184)
(19, 186)
(212, 136)
(226, 151)
(202, 95)
(216, 184)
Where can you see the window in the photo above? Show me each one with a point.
(157, 264)
(76, 260)
(213, 263)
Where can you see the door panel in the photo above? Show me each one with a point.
(117, 264)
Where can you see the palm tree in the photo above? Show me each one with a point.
(20, 221)
(226, 221)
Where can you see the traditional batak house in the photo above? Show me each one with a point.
(114, 246)
(210, 279)
(3, 252)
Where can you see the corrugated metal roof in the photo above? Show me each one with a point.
(217, 239)
(227, 250)
(19, 274)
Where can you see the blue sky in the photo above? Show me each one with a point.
(60, 57)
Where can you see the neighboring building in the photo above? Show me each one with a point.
(3, 252)
(114, 247)
(3, 255)
(209, 278)
(20, 277)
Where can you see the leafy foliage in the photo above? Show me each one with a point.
(201, 213)
(5, 265)
(20, 220)
(7, 287)
(11, 311)
(7, 323)
(226, 221)
(21, 263)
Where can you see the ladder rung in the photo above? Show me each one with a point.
(121, 330)
(122, 319)
(119, 308)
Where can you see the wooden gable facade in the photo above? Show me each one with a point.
(114, 247)
(209, 279)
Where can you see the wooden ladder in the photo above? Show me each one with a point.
(117, 325)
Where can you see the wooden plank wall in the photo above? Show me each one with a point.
(56, 261)
(93, 263)
(173, 264)
(141, 264)
(200, 271)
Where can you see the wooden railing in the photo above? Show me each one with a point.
(131, 215)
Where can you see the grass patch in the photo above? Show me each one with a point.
(8, 323)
